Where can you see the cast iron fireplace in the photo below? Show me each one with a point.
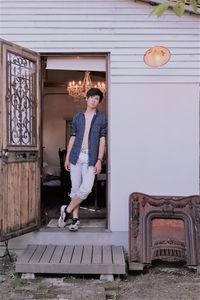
(163, 228)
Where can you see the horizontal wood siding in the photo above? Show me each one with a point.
(123, 28)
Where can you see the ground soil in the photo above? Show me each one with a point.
(161, 282)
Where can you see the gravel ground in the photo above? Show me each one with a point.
(157, 283)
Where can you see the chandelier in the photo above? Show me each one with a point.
(78, 89)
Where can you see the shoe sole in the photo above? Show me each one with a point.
(74, 228)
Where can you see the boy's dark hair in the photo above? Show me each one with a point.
(95, 92)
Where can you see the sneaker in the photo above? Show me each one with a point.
(74, 225)
(64, 215)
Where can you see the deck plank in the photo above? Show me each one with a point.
(97, 255)
(67, 255)
(27, 254)
(117, 254)
(72, 259)
(107, 255)
(47, 254)
(37, 254)
(77, 255)
(57, 255)
(87, 255)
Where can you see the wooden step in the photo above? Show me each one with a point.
(72, 259)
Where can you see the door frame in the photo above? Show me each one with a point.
(107, 60)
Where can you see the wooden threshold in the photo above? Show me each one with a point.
(72, 259)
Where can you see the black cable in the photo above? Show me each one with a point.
(7, 253)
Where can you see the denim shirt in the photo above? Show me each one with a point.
(97, 130)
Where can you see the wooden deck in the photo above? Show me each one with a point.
(70, 259)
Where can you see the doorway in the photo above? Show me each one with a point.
(58, 109)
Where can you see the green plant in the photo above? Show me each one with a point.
(188, 291)
(178, 7)
(114, 297)
(15, 280)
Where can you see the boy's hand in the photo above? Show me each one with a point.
(67, 165)
(97, 167)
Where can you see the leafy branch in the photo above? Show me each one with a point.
(178, 7)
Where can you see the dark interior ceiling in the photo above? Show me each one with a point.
(60, 78)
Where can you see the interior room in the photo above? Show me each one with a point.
(59, 105)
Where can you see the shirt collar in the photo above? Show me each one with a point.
(97, 111)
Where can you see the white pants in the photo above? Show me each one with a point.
(82, 177)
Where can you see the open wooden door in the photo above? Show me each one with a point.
(19, 140)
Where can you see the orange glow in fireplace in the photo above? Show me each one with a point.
(167, 228)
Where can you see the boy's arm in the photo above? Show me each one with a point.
(73, 130)
(69, 148)
(102, 146)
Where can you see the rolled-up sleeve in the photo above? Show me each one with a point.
(103, 131)
(73, 127)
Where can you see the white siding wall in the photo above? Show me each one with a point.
(122, 27)
(155, 125)
(154, 143)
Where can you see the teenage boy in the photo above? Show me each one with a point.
(84, 155)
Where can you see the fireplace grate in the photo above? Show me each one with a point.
(170, 251)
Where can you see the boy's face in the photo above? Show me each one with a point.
(93, 101)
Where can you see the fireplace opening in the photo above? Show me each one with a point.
(163, 228)
(168, 240)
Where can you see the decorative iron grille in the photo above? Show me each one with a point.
(21, 100)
